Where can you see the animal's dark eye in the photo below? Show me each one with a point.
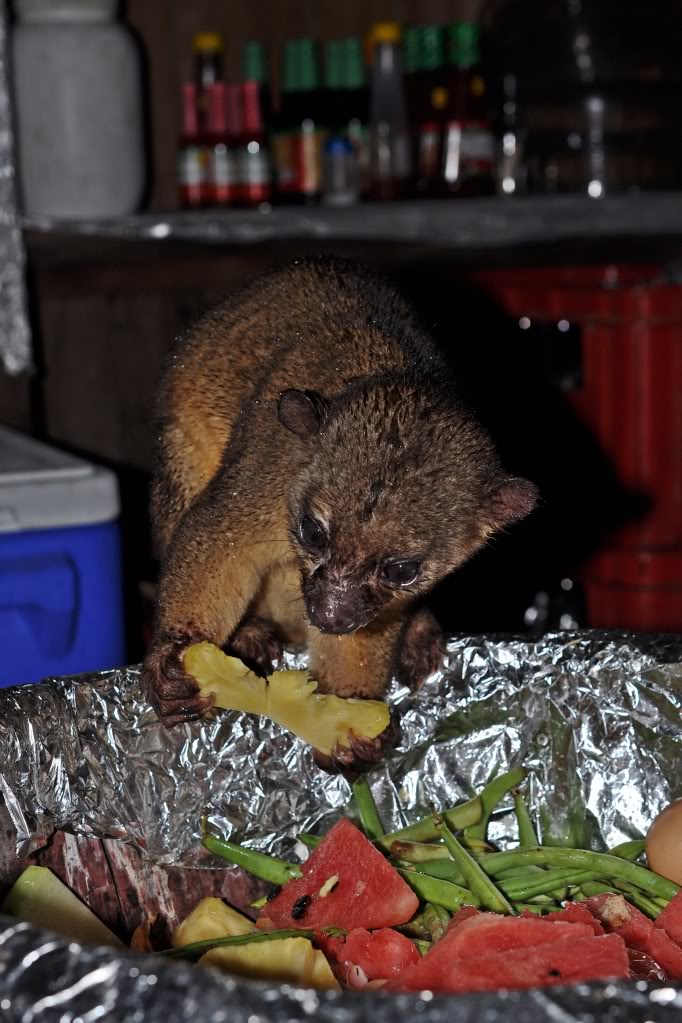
(312, 533)
(401, 573)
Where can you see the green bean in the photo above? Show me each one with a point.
(540, 909)
(523, 890)
(424, 830)
(268, 868)
(259, 903)
(481, 887)
(493, 793)
(440, 893)
(418, 852)
(308, 840)
(436, 920)
(612, 867)
(198, 948)
(527, 833)
(629, 850)
(369, 815)
(422, 946)
(447, 870)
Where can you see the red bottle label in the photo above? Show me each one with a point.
(469, 151)
(192, 174)
(298, 159)
(222, 177)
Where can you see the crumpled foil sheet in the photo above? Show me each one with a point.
(15, 334)
(48, 980)
(596, 718)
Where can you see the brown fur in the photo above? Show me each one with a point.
(377, 450)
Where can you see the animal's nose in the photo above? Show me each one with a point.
(330, 616)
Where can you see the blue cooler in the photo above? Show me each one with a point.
(61, 594)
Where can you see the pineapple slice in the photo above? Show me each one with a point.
(39, 898)
(290, 960)
(287, 960)
(288, 697)
(211, 918)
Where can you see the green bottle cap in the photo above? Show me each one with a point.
(412, 49)
(253, 62)
(308, 65)
(433, 47)
(290, 74)
(333, 65)
(464, 45)
(355, 73)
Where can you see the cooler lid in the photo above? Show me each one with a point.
(42, 487)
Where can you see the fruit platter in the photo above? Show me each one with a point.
(516, 853)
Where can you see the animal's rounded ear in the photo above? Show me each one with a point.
(302, 412)
(512, 501)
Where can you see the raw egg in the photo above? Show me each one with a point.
(664, 843)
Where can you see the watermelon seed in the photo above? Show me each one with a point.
(273, 892)
(328, 886)
(554, 973)
(300, 907)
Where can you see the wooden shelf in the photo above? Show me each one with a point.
(471, 224)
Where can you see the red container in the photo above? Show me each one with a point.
(630, 397)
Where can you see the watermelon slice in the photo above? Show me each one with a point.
(570, 960)
(572, 913)
(637, 931)
(485, 935)
(379, 954)
(670, 920)
(346, 883)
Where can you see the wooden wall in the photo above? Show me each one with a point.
(166, 28)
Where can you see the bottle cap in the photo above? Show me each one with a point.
(308, 67)
(385, 32)
(412, 49)
(354, 65)
(290, 74)
(253, 62)
(333, 65)
(432, 46)
(207, 42)
(464, 47)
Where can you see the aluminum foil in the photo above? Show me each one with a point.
(15, 335)
(55, 981)
(596, 718)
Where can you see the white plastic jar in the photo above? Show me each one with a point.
(79, 119)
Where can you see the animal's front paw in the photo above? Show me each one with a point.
(422, 650)
(257, 645)
(361, 755)
(172, 692)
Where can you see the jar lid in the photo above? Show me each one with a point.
(65, 10)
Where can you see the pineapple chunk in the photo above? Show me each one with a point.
(288, 697)
(287, 960)
(39, 898)
(211, 918)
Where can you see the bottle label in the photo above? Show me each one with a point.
(192, 166)
(469, 150)
(359, 139)
(254, 172)
(298, 160)
(222, 171)
(429, 150)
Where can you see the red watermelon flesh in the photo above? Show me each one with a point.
(482, 936)
(670, 920)
(379, 954)
(461, 916)
(487, 933)
(638, 932)
(572, 913)
(570, 960)
(369, 892)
